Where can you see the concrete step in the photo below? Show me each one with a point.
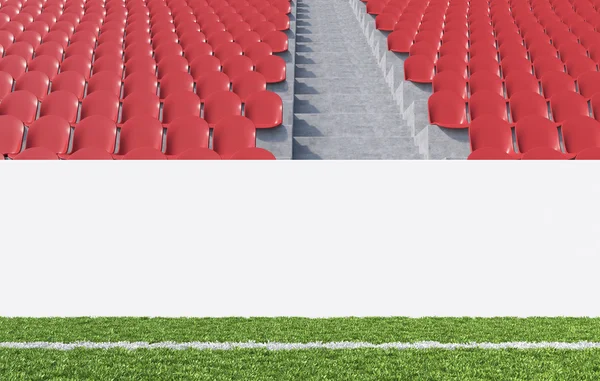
(326, 70)
(351, 103)
(334, 58)
(334, 47)
(340, 86)
(376, 125)
(354, 148)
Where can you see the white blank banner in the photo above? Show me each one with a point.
(409, 238)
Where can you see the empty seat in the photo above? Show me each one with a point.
(488, 153)
(198, 154)
(175, 82)
(264, 109)
(35, 82)
(45, 64)
(172, 64)
(51, 132)
(579, 65)
(204, 64)
(21, 49)
(96, 132)
(37, 153)
(489, 131)
(536, 132)
(525, 103)
(486, 81)
(83, 49)
(487, 103)
(105, 81)
(252, 153)
(70, 81)
(545, 153)
(11, 135)
(144, 153)
(589, 83)
(581, 133)
(419, 69)
(545, 64)
(278, 41)
(179, 105)
(13, 65)
(452, 63)
(91, 153)
(140, 132)
(140, 82)
(567, 104)
(101, 102)
(447, 109)
(140, 103)
(210, 83)
(233, 134)
(221, 104)
(450, 81)
(589, 154)
(248, 83)
(61, 103)
(52, 49)
(140, 64)
(108, 64)
(20, 104)
(555, 82)
(521, 81)
(237, 65)
(186, 133)
(196, 50)
(79, 64)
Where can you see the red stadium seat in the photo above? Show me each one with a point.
(264, 109)
(237, 65)
(179, 105)
(172, 64)
(589, 83)
(70, 81)
(488, 153)
(579, 65)
(37, 153)
(13, 65)
(21, 49)
(186, 133)
(6, 84)
(210, 83)
(232, 134)
(89, 154)
(568, 104)
(61, 103)
(108, 64)
(140, 103)
(45, 64)
(79, 64)
(278, 41)
(199, 49)
(544, 153)
(140, 132)
(589, 154)
(140, 64)
(174, 82)
(487, 103)
(581, 133)
(248, 83)
(489, 131)
(101, 102)
(537, 132)
(35, 82)
(96, 132)
(221, 104)
(20, 104)
(525, 103)
(545, 64)
(198, 154)
(144, 153)
(50, 132)
(11, 135)
(447, 109)
(105, 81)
(83, 49)
(555, 82)
(419, 69)
(252, 153)
(140, 82)
(486, 81)
(521, 81)
(205, 64)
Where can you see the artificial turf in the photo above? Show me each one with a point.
(309, 364)
(249, 365)
(301, 330)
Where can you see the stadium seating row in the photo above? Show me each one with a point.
(97, 136)
(516, 61)
(70, 61)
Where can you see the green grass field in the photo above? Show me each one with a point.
(304, 364)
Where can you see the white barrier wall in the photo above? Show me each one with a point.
(288, 238)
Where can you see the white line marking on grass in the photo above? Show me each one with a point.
(276, 346)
